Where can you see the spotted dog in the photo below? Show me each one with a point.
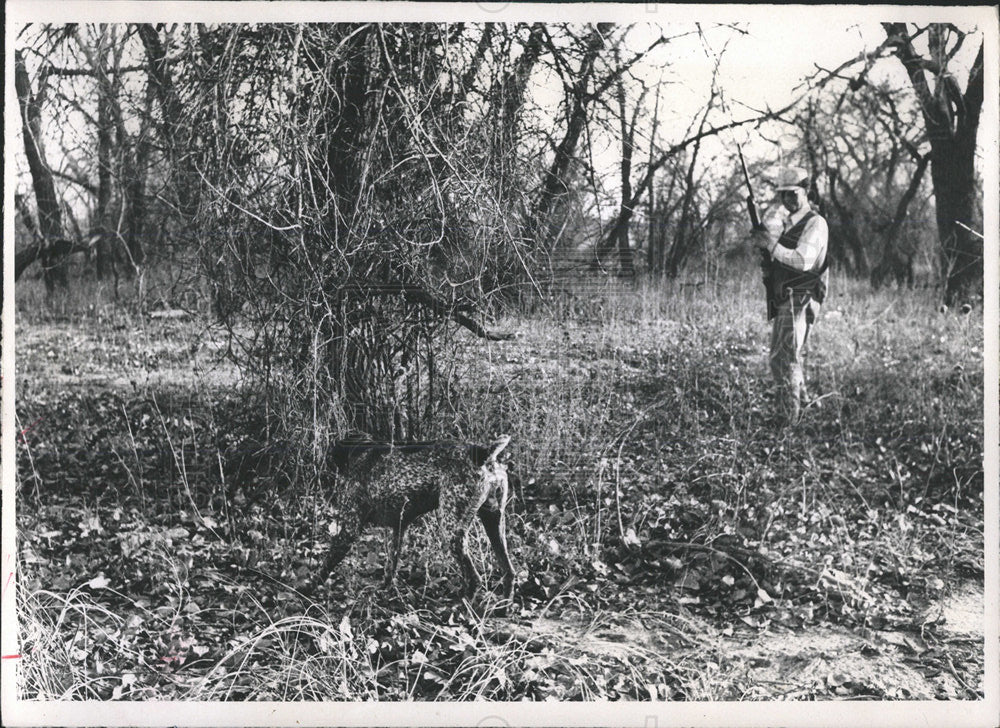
(393, 484)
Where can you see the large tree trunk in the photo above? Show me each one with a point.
(952, 122)
(619, 235)
(512, 92)
(343, 123)
(955, 198)
(554, 185)
(176, 128)
(105, 246)
(49, 214)
(116, 158)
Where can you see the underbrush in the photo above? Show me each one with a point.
(653, 486)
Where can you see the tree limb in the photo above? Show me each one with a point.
(416, 294)
(46, 200)
(901, 42)
(909, 194)
(56, 249)
(74, 179)
(69, 72)
(973, 99)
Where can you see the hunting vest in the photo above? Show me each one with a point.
(784, 281)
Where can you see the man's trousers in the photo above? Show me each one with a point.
(789, 334)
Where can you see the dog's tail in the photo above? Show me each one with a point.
(497, 447)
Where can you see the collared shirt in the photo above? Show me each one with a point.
(811, 250)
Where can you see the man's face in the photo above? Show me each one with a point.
(790, 199)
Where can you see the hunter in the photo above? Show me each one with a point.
(795, 276)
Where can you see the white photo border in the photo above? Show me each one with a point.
(641, 715)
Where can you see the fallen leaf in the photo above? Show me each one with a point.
(345, 628)
(836, 679)
(99, 582)
(762, 598)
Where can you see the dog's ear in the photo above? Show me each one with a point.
(498, 446)
(347, 448)
(483, 454)
(479, 455)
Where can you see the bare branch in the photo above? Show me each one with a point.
(54, 250)
(76, 180)
(417, 294)
(71, 72)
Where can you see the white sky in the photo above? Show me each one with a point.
(765, 67)
(784, 42)
(782, 45)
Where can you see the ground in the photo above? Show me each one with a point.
(672, 541)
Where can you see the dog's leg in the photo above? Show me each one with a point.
(494, 517)
(498, 533)
(341, 544)
(495, 526)
(470, 576)
(398, 532)
(464, 516)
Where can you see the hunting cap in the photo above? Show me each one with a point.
(789, 178)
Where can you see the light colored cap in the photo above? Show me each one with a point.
(790, 178)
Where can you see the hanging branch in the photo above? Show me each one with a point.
(416, 294)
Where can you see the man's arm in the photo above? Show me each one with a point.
(811, 248)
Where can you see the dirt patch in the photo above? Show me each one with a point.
(962, 612)
(621, 639)
(165, 354)
(821, 661)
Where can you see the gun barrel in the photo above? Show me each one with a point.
(752, 209)
(751, 203)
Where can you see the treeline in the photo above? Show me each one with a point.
(351, 192)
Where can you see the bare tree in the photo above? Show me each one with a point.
(176, 129)
(354, 214)
(508, 101)
(684, 234)
(84, 69)
(121, 160)
(863, 149)
(951, 121)
(579, 96)
(619, 236)
(50, 226)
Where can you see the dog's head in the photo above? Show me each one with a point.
(347, 448)
(485, 458)
(485, 454)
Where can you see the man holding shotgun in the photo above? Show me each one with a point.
(795, 276)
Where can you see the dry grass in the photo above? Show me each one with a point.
(648, 462)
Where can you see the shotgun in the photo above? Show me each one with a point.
(765, 258)
(751, 202)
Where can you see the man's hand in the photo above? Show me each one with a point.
(761, 237)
